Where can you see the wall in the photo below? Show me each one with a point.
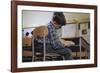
(5, 38)
(33, 18)
(36, 18)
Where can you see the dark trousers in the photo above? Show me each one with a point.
(66, 52)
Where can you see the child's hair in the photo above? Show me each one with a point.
(62, 17)
(57, 19)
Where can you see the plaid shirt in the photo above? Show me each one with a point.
(53, 38)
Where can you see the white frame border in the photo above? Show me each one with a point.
(20, 64)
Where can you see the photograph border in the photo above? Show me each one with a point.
(14, 32)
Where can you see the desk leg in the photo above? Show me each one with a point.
(80, 43)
